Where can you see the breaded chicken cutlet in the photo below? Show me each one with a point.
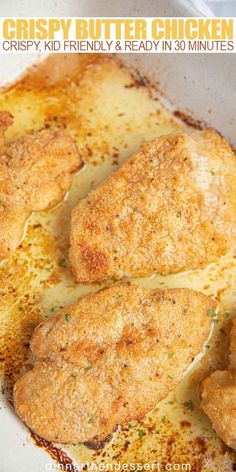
(109, 359)
(35, 173)
(170, 208)
(218, 396)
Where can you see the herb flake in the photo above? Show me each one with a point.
(91, 421)
(118, 297)
(67, 316)
(132, 425)
(141, 433)
(189, 405)
(211, 313)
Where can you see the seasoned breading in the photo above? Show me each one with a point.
(218, 396)
(109, 359)
(170, 208)
(35, 173)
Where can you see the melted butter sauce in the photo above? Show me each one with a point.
(111, 113)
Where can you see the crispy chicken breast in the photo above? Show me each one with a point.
(218, 397)
(170, 208)
(109, 359)
(35, 173)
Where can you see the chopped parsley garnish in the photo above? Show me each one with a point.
(222, 331)
(211, 313)
(189, 405)
(118, 297)
(67, 316)
(91, 421)
(170, 355)
(163, 419)
(132, 425)
(20, 308)
(178, 214)
(88, 367)
(141, 433)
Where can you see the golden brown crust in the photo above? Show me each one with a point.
(109, 359)
(218, 397)
(35, 173)
(170, 208)
(6, 120)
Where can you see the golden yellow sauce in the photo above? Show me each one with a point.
(111, 113)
